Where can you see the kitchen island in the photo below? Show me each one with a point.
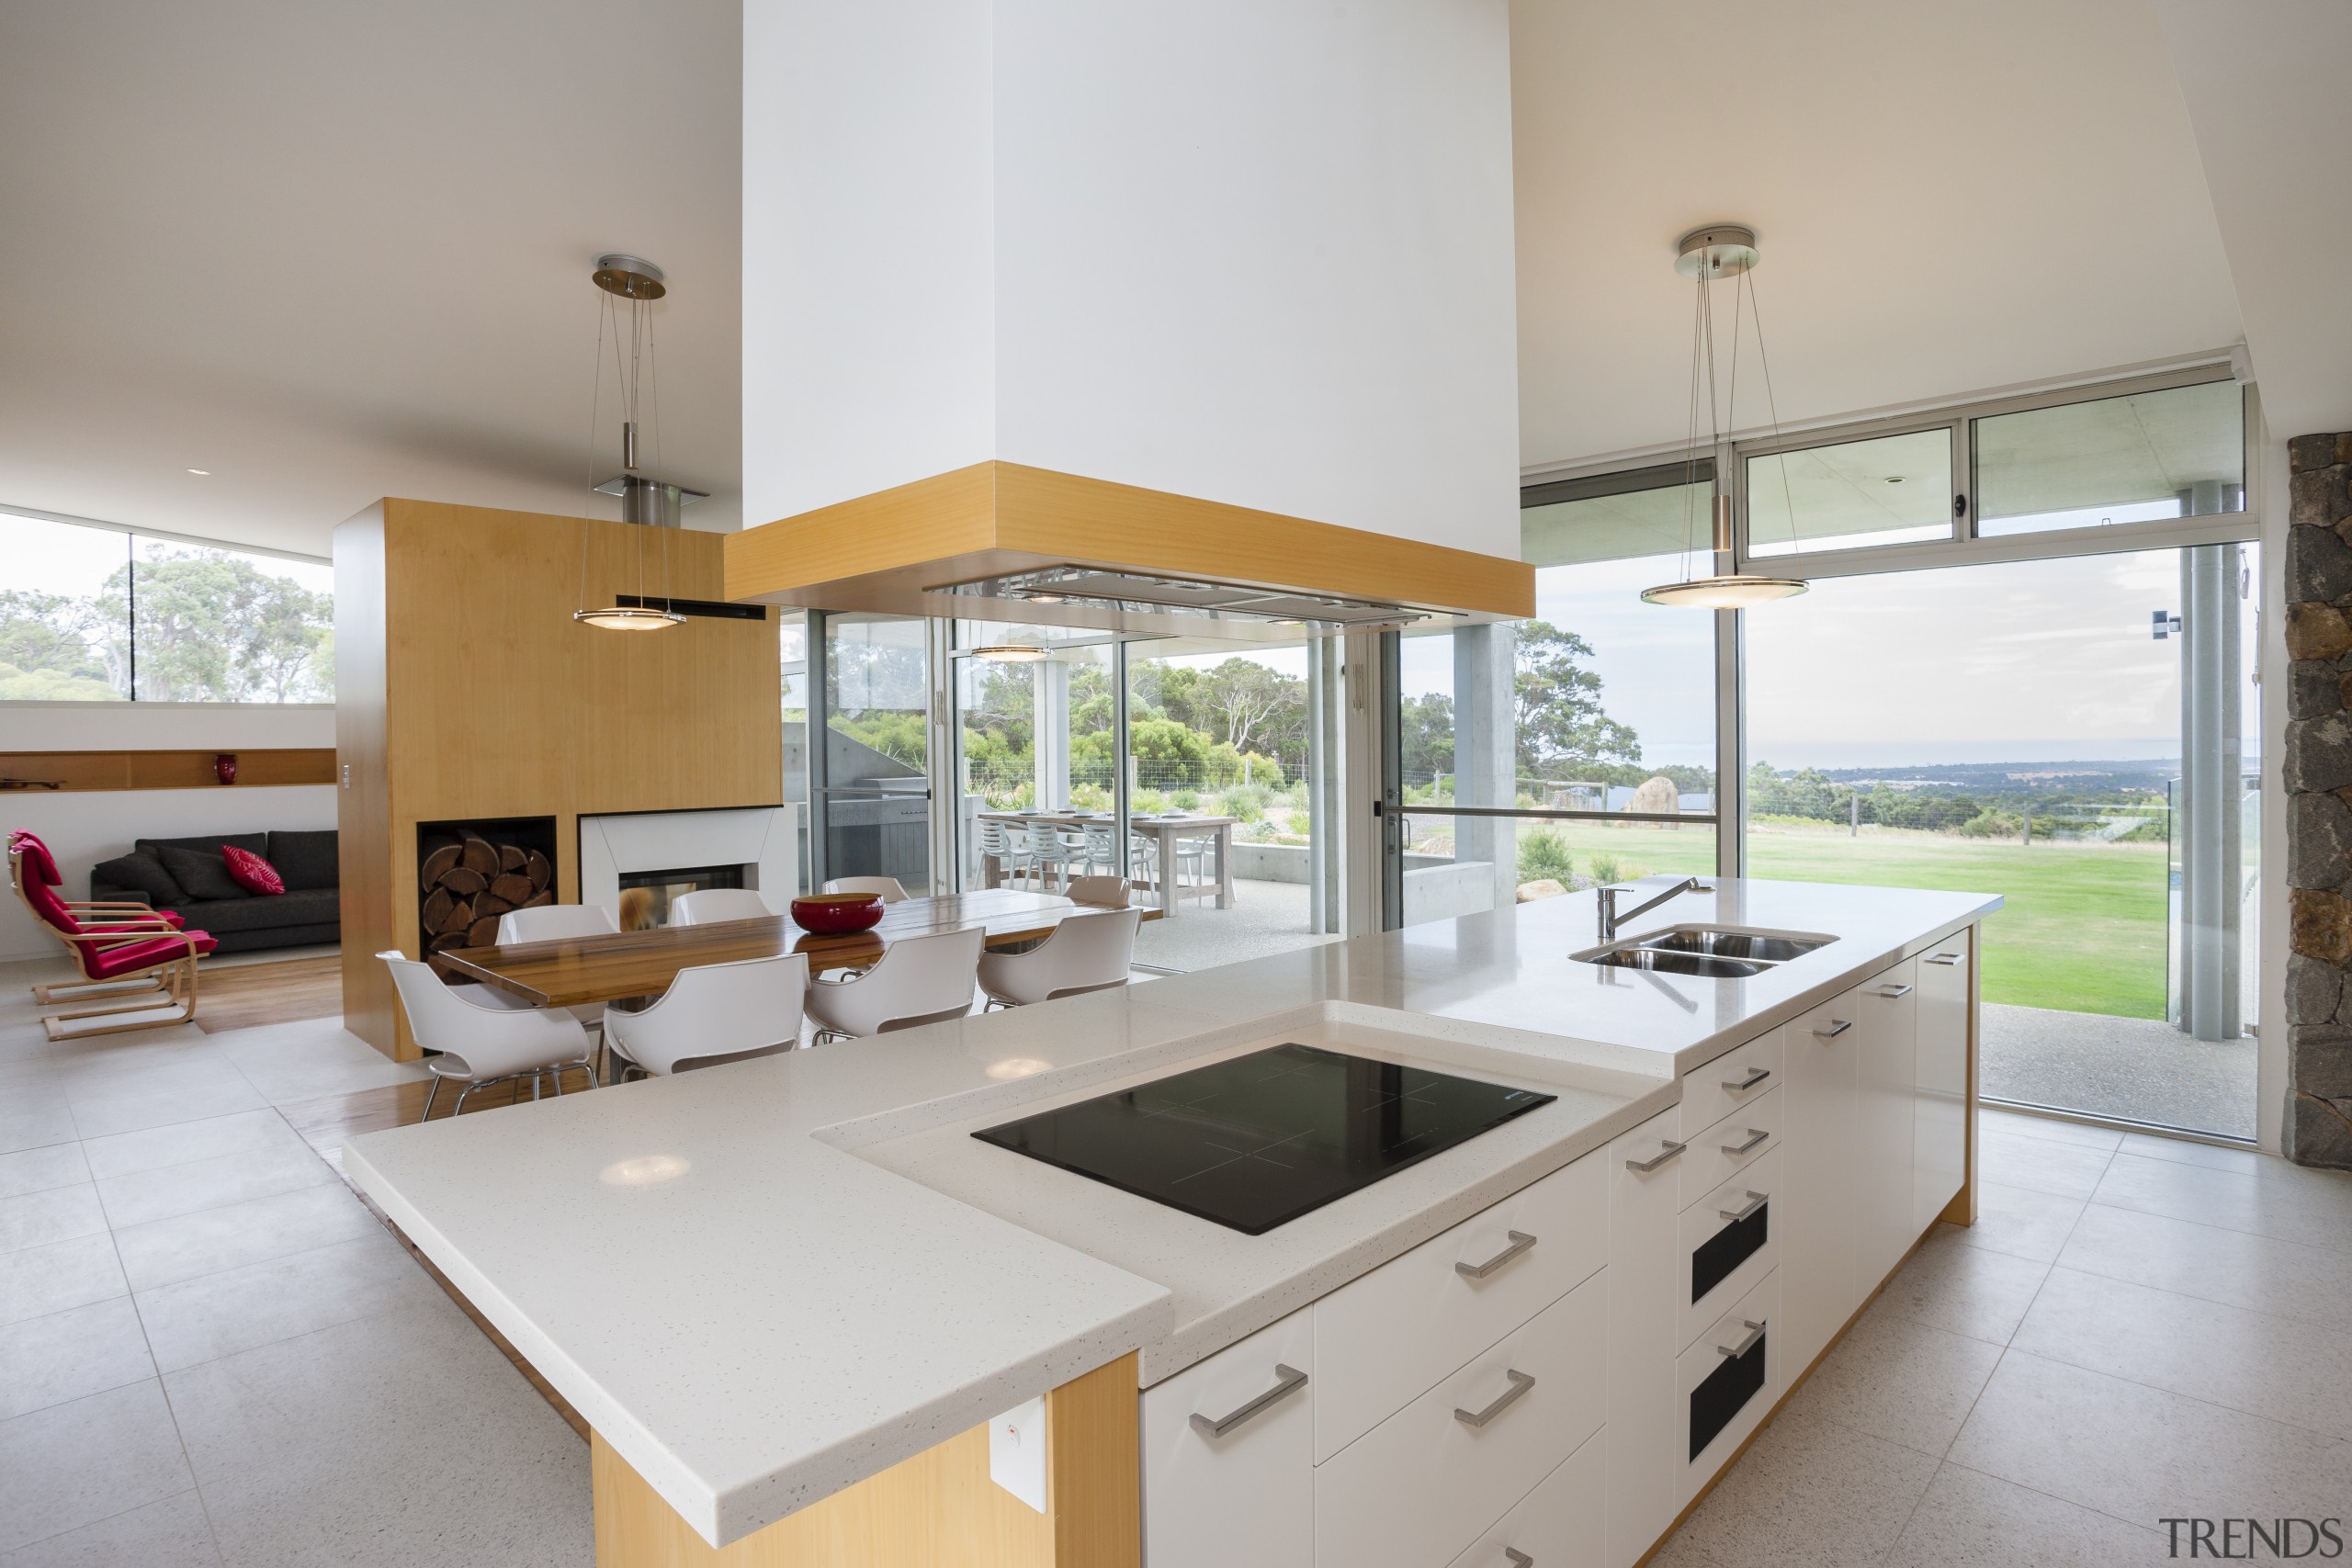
(792, 1296)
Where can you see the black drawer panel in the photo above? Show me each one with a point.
(1723, 1394)
(1725, 1250)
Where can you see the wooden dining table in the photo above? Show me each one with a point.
(571, 971)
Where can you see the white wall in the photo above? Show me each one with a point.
(165, 727)
(85, 827)
(1256, 254)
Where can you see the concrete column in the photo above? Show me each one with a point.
(1049, 732)
(2211, 769)
(1485, 767)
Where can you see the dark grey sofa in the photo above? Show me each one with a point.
(308, 912)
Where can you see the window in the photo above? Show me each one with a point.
(1893, 490)
(2177, 452)
(106, 616)
(873, 775)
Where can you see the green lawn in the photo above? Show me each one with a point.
(2082, 932)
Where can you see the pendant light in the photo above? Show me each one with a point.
(1721, 251)
(1011, 653)
(646, 500)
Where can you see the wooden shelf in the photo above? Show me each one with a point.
(74, 771)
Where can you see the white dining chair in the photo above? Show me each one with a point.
(479, 1045)
(917, 979)
(709, 906)
(1103, 846)
(716, 1012)
(1105, 892)
(1092, 952)
(553, 923)
(1007, 846)
(1056, 851)
(891, 889)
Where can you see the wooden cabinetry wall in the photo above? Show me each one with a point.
(464, 689)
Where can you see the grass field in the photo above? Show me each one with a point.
(2082, 932)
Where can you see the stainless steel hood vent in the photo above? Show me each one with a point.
(1095, 588)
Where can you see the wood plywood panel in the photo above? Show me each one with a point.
(363, 809)
(938, 1509)
(74, 771)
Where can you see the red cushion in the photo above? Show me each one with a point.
(38, 858)
(47, 905)
(101, 964)
(250, 872)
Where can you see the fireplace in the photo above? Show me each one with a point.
(469, 872)
(646, 896)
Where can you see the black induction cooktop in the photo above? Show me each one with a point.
(1256, 1141)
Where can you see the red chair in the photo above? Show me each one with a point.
(41, 865)
(112, 951)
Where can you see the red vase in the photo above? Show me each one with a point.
(225, 767)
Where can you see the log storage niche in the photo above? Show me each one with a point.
(469, 873)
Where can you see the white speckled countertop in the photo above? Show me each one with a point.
(764, 1283)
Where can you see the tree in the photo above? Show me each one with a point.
(1558, 702)
(1245, 697)
(1425, 736)
(50, 651)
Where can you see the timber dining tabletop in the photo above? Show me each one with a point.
(571, 971)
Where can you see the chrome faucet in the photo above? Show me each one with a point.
(1611, 919)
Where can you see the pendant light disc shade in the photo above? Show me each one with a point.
(1011, 653)
(1723, 593)
(630, 618)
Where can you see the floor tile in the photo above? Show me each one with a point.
(2285, 1278)
(2316, 1213)
(82, 1350)
(2274, 1367)
(185, 1246)
(2139, 1453)
(1967, 1290)
(31, 1122)
(173, 1533)
(1968, 1520)
(464, 1463)
(161, 1055)
(39, 1169)
(183, 1143)
(59, 1213)
(2021, 1221)
(169, 1534)
(138, 1104)
(2049, 1128)
(1807, 1494)
(219, 1315)
(310, 1058)
(74, 1465)
(145, 1195)
(1898, 1379)
(42, 1279)
(2014, 1160)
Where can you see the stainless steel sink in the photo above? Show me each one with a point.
(1735, 945)
(1669, 961)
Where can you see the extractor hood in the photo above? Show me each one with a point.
(1004, 542)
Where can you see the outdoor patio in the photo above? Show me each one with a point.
(2136, 1068)
(1266, 916)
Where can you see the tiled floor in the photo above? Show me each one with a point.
(2135, 1329)
(211, 1352)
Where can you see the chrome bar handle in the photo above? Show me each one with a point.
(1520, 1242)
(1836, 1026)
(1517, 1558)
(1755, 1201)
(1946, 959)
(1292, 1380)
(1667, 1153)
(1755, 1135)
(1519, 1384)
(1893, 991)
(1755, 1333)
(1755, 1075)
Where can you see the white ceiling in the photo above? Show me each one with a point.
(1948, 197)
(331, 252)
(335, 252)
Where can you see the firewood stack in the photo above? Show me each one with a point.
(469, 882)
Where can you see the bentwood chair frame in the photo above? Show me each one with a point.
(164, 977)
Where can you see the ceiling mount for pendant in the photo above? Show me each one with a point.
(1719, 249)
(631, 277)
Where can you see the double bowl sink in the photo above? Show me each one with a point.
(1712, 952)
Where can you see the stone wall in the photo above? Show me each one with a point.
(2318, 780)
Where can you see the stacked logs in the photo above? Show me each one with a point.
(469, 882)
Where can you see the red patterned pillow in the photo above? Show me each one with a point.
(250, 872)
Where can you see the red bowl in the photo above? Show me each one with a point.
(829, 914)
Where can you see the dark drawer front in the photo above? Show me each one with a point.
(1722, 1394)
(1725, 1250)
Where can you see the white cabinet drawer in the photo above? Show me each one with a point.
(1719, 1153)
(1939, 1114)
(1385, 1339)
(1418, 1487)
(1721, 1259)
(1559, 1525)
(1724, 1395)
(1735, 1080)
(1245, 1499)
